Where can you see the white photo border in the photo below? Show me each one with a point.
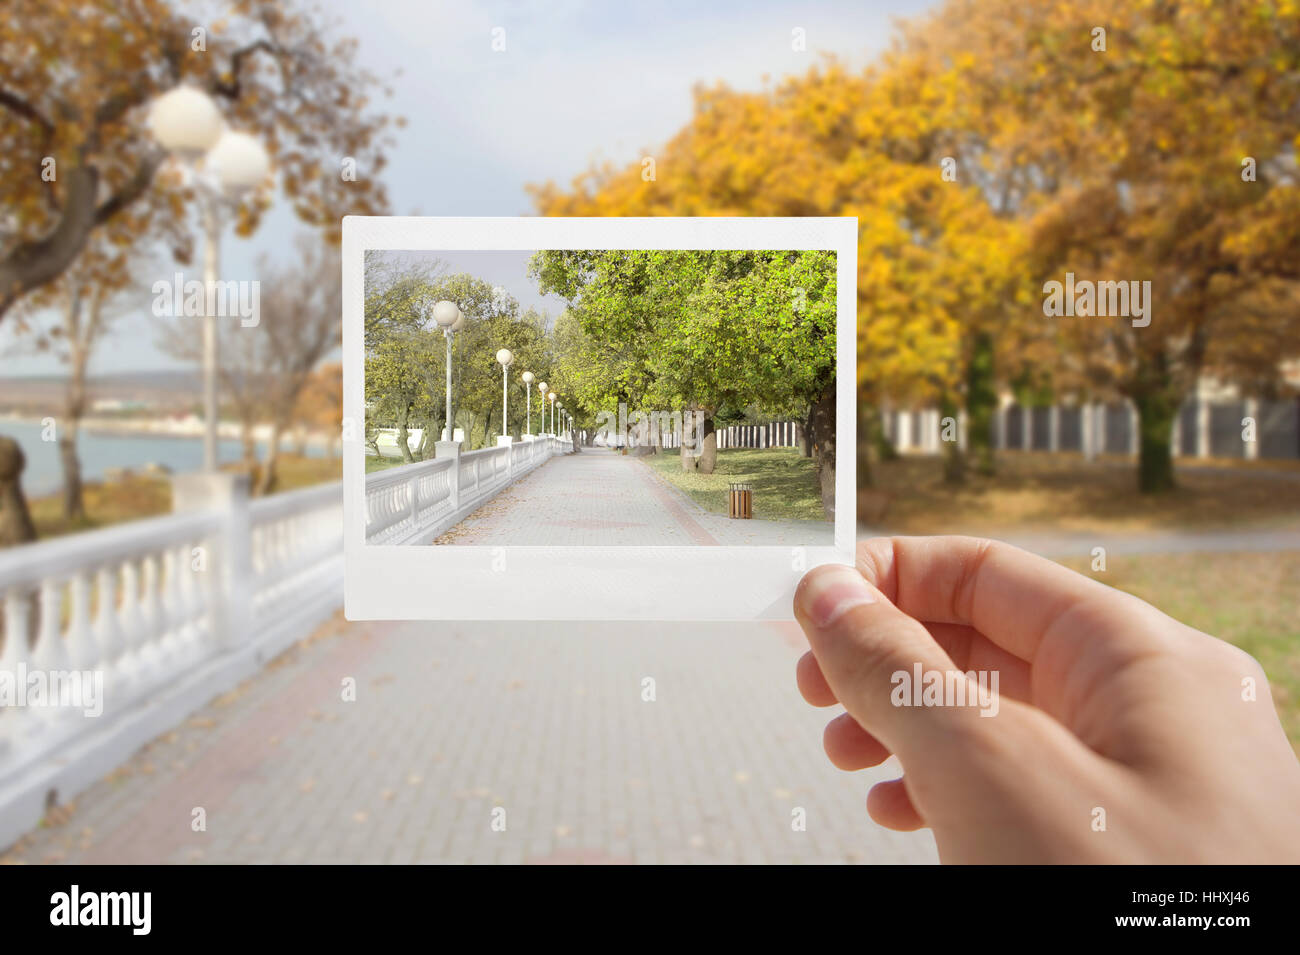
(468, 582)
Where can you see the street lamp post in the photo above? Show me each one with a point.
(222, 164)
(450, 319)
(552, 396)
(542, 388)
(505, 356)
(528, 392)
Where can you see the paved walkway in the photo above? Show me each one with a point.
(601, 498)
(452, 721)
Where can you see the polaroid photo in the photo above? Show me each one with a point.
(596, 418)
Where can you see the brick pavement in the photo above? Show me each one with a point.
(452, 721)
(600, 498)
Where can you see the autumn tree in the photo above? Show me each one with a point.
(68, 319)
(832, 142)
(320, 406)
(264, 367)
(1147, 141)
(75, 155)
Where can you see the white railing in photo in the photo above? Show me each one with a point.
(163, 615)
(415, 503)
(769, 434)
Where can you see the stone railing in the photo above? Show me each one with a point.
(163, 615)
(415, 503)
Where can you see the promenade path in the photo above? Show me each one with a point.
(599, 497)
(451, 721)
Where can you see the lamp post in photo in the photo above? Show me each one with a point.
(528, 393)
(542, 388)
(450, 319)
(222, 165)
(552, 396)
(505, 356)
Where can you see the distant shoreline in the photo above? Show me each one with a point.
(186, 429)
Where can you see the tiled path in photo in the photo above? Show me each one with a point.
(598, 497)
(545, 721)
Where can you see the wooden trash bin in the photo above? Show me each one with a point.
(741, 501)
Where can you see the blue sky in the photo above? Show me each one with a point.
(578, 82)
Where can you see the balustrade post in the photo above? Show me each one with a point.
(14, 722)
(81, 645)
(228, 580)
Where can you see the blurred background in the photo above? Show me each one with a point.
(184, 539)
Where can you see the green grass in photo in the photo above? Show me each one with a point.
(785, 482)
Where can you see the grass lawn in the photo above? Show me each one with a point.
(785, 482)
(1249, 600)
(1044, 492)
(138, 496)
(382, 464)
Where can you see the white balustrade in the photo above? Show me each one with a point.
(415, 503)
(148, 608)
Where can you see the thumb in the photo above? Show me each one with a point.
(865, 646)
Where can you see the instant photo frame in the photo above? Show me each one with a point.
(700, 582)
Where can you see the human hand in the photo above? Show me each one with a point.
(1104, 703)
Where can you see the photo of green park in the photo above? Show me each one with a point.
(641, 397)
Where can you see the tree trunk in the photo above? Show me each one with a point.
(269, 477)
(805, 436)
(16, 525)
(866, 432)
(981, 403)
(821, 421)
(1156, 412)
(709, 448)
(248, 444)
(690, 441)
(877, 440)
(427, 439)
(403, 436)
(74, 504)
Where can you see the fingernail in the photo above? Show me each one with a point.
(828, 593)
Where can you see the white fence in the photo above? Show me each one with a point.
(415, 503)
(1202, 428)
(769, 434)
(168, 612)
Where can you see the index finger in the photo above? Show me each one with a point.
(1009, 595)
